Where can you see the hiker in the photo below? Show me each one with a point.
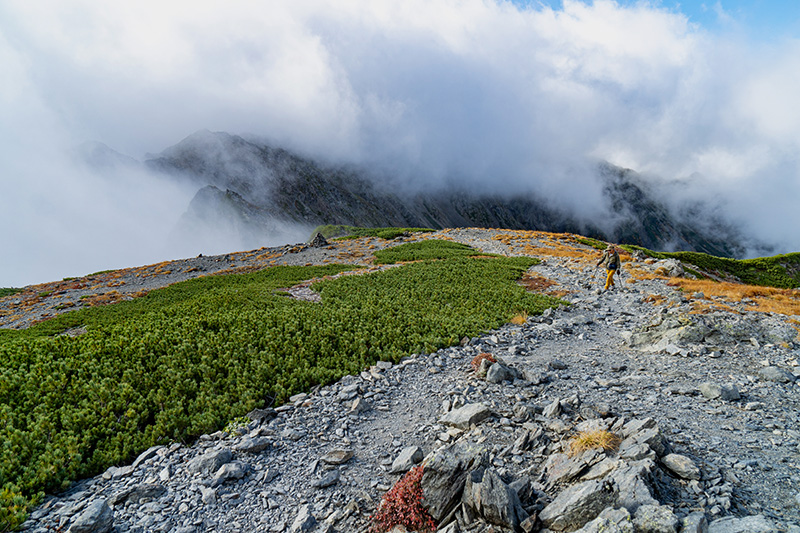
(610, 260)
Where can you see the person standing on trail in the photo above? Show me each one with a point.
(610, 260)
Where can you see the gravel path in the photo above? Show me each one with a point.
(748, 449)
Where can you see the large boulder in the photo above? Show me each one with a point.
(681, 466)
(578, 504)
(318, 241)
(445, 475)
(491, 498)
(466, 416)
(655, 519)
(610, 521)
(748, 524)
(209, 462)
(669, 267)
(633, 482)
(97, 518)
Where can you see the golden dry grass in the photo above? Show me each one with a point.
(520, 318)
(654, 299)
(557, 245)
(586, 440)
(757, 298)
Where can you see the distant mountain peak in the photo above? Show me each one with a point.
(275, 184)
(99, 156)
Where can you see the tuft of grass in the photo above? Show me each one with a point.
(520, 318)
(599, 438)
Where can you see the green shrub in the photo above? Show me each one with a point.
(8, 291)
(341, 232)
(422, 250)
(780, 271)
(594, 243)
(186, 359)
(13, 507)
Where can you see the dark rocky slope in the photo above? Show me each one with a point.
(287, 188)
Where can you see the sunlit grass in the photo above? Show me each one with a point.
(599, 438)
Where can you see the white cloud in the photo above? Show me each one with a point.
(477, 90)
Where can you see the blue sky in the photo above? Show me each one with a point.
(491, 94)
(761, 19)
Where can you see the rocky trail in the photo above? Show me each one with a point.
(706, 406)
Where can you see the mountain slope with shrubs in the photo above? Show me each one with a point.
(94, 388)
(186, 359)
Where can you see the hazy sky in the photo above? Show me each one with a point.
(484, 91)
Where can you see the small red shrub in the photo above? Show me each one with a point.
(402, 505)
(476, 361)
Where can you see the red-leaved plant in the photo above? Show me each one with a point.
(476, 361)
(402, 506)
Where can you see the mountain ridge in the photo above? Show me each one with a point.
(293, 189)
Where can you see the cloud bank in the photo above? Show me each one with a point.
(485, 92)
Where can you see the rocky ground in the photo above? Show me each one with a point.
(706, 406)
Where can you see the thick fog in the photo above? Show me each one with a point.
(492, 94)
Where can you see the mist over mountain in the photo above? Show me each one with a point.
(252, 194)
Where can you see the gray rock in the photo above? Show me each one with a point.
(209, 462)
(97, 518)
(633, 485)
(553, 410)
(489, 497)
(328, 480)
(229, 471)
(655, 519)
(466, 416)
(497, 373)
(694, 523)
(681, 466)
(262, 415)
(669, 267)
(304, 521)
(138, 493)
(610, 520)
(410, 456)
(749, 524)
(635, 451)
(650, 435)
(713, 391)
(560, 468)
(337, 457)
(359, 405)
(776, 374)
(318, 241)
(452, 527)
(144, 456)
(446, 473)
(252, 444)
(578, 504)
(208, 495)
